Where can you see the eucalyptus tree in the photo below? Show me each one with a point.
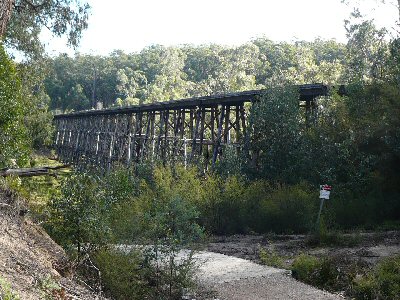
(367, 52)
(13, 137)
(22, 21)
(163, 69)
(132, 86)
(393, 3)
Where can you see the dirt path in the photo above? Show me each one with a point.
(236, 278)
(361, 249)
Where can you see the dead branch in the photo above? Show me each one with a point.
(29, 172)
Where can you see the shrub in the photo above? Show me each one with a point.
(271, 258)
(382, 283)
(6, 292)
(305, 268)
(315, 271)
(122, 274)
(168, 227)
(222, 205)
(79, 215)
(288, 209)
(162, 219)
(165, 225)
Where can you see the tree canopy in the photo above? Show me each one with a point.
(159, 73)
(21, 22)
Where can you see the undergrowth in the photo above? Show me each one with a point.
(331, 273)
(6, 293)
(272, 259)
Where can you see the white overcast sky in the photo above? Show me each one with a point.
(131, 25)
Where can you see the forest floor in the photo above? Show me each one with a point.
(369, 247)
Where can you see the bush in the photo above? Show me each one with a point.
(271, 258)
(122, 274)
(92, 211)
(288, 209)
(305, 268)
(6, 292)
(80, 214)
(168, 230)
(382, 283)
(315, 271)
(222, 205)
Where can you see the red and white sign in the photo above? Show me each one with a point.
(324, 191)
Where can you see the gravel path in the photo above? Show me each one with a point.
(239, 279)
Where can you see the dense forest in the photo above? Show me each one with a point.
(159, 73)
(353, 144)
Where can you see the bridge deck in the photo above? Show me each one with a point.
(307, 93)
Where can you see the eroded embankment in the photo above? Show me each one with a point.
(30, 261)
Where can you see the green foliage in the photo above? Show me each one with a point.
(13, 138)
(325, 237)
(305, 266)
(236, 206)
(50, 289)
(276, 128)
(160, 73)
(222, 205)
(39, 127)
(169, 227)
(271, 258)
(289, 209)
(6, 292)
(62, 18)
(382, 283)
(129, 274)
(367, 52)
(312, 270)
(156, 214)
(164, 219)
(79, 214)
(122, 274)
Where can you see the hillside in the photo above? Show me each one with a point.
(30, 261)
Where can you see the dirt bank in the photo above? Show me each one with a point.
(30, 261)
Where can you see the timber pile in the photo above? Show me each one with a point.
(29, 172)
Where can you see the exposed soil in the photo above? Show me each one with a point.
(232, 278)
(368, 247)
(30, 261)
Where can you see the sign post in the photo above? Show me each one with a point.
(324, 192)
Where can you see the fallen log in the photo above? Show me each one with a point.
(29, 172)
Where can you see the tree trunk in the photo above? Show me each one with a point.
(6, 7)
(398, 7)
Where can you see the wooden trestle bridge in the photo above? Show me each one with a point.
(179, 131)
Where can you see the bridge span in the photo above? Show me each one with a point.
(186, 130)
